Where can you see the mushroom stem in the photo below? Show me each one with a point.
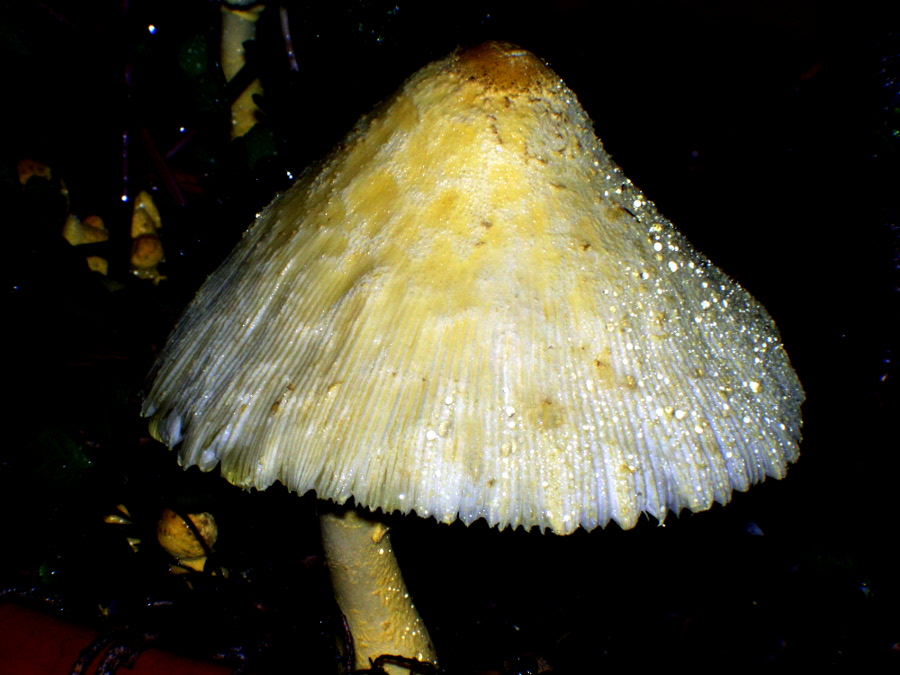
(371, 592)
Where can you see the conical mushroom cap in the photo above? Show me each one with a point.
(469, 312)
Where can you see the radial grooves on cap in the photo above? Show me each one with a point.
(470, 312)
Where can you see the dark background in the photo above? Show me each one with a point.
(766, 131)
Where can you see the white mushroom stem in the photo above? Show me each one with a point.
(371, 592)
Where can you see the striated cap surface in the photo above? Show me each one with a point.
(467, 311)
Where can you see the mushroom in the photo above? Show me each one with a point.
(468, 311)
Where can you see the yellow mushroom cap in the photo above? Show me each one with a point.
(467, 311)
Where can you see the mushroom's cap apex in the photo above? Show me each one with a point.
(505, 67)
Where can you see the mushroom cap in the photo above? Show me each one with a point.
(468, 311)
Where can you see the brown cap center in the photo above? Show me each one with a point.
(504, 66)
